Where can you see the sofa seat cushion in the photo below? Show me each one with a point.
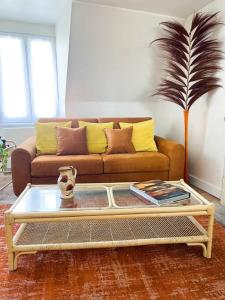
(135, 162)
(47, 165)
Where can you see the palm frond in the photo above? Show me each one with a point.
(193, 60)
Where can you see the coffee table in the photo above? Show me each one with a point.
(102, 215)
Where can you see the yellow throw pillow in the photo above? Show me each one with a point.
(96, 139)
(143, 135)
(46, 142)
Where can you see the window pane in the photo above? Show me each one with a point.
(13, 84)
(43, 78)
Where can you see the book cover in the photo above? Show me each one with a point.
(159, 192)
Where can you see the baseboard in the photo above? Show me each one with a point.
(206, 186)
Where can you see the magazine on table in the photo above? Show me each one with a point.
(159, 192)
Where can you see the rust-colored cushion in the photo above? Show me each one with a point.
(47, 165)
(142, 136)
(135, 162)
(119, 140)
(71, 141)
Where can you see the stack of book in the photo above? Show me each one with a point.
(159, 192)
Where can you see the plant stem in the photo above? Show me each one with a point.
(186, 117)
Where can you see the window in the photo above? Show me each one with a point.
(28, 84)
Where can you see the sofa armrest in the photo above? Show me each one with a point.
(175, 152)
(21, 159)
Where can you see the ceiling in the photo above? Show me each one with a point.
(34, 11)
(176, 8)
(48, 11)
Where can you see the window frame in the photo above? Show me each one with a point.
(31, 118)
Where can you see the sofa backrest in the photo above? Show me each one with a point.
(73, 120)
(126, 120)
(96, 120)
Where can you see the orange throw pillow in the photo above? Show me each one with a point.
(119, 140)
(71, 141)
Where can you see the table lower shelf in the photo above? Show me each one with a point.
(80, 234)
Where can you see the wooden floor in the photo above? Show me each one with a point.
(7, 197)
(220, 209)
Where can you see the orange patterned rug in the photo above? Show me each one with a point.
(150, 272)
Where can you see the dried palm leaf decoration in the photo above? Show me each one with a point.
(193, 59)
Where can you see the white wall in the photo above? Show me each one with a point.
(20, 133)
(17, 134)
(28, 28)
(111, 69)
(207, 126)
(62, 31)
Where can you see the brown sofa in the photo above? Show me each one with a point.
(167, 164)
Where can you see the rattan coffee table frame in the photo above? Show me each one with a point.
(173, 224)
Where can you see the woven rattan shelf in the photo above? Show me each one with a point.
(106, 233)
(109, 220)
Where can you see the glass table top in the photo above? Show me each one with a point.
(46, 198)
(123, 197)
